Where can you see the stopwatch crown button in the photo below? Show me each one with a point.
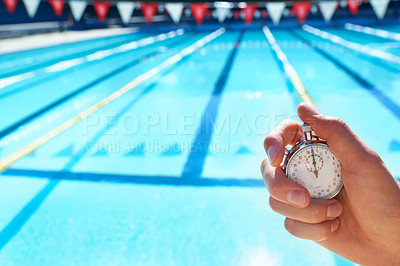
(306, 128)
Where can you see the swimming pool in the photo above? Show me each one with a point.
(168, 173)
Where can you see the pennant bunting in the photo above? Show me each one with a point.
(149, 10)
(125, 10)
(222, 14)
(101, 9)
(31, 7)
(379, 7)
(264, 13)
(58, 6)
(353, 6)
(207, 14)
(198, 12)
(248, 13)
(343, 4)
(10, 5)
(175, 11)
(275, 11)
(77, 9)
(301, 9)
(187, 12)
(236, 14)
(327, 8)
(314, 9)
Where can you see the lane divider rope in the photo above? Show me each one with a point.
(7, 161)
(352, 45)
(371, 31)
(99, 55)
(288, 68)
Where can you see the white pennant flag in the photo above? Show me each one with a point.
(327, 9)
(125, 10)
(222, 13)
(175, 11)
(275, 11)
(380, 7)
(77, 9)
(31, 7)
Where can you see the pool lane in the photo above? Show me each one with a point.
(153, 134)
(197, 225)
(380, 82)
(19, 62)
(256, 99)
(364, 39)
(385, 77)
(394, 28)
(376, 124)
(353, 36)
(92, 84)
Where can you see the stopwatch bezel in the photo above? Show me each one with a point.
(302, 144)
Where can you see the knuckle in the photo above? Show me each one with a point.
(276, 189)
(316, 215)
(373, 157)
(338, 122)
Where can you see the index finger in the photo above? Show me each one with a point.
(288, 132)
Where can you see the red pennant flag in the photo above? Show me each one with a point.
(10, 5)
(264, 13)
(199, 11)
(149, 10)
(248, 13)
(208, 14)
(101, 9)
(58, 6)
(236, 14)
(353, 6)
(301, 9)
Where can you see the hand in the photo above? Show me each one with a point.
(362, 223)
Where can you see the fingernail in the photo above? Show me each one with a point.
(272, 151)
(297, 197)
(334, 210)
(335, 225)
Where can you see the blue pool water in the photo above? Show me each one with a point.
(123, 186)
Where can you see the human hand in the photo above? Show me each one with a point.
(362, 223)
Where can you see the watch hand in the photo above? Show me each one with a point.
(314, 163)
(316, 173)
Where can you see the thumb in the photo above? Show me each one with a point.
(347, 146)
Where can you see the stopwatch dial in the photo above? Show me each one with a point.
(318, 169)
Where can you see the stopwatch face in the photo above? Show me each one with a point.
(317, 168)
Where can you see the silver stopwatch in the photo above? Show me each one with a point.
(312, 164)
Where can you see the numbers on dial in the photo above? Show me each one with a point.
(314, 163)
(316, 168)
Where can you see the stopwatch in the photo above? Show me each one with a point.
(312, 164)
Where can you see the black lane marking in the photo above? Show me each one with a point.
(137, 179)
(200, 146)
